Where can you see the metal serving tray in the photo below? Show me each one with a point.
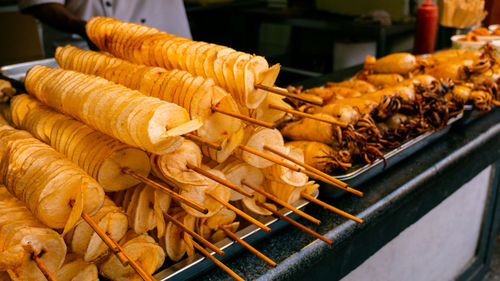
(196, 265)
(17, 71)
(362, 174)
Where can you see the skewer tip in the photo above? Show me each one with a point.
(355, 191)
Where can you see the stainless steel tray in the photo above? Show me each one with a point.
(360, 175)
(196, 265)
(191, 267)
(17, 72)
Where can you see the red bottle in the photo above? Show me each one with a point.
(425, 33)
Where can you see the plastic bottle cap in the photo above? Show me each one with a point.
(429, 4)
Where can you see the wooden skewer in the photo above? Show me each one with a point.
(248, 246)
(195, 235)
(313, 100)
(201, 140)
(219, 180)
(281, 202)
(43, 268)
(239, 212)
(318, 173)
(217, 262)
(112, 244)
(301, 226)
(173, 194)
(142, 273)
(330, 207)
(307, 115)
(305, 165)
(243, 117)
(124, 258)
(292, 167)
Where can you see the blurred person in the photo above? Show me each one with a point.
(63, 22)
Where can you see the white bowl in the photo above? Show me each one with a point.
(474, 46)
(493, 27)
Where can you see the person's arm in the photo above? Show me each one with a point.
(57, 16)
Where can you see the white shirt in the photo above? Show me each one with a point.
(165, 15)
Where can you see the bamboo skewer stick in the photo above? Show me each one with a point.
(293, 167)
(243, 117)
(195, 235)
(43, 268)
(107, 240)
(219, 180)
(217, 262)
(307, 115)
(330, 207)
(173, 194)
(124, 258)
(313, 100)
(318, 173)
(239, 212)
(281, 202)
(248, 246)
(301, 226)
(142, 273)
(306, 166)
(201, 140)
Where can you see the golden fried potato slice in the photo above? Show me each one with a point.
(258, 138)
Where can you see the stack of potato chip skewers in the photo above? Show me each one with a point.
(67, 134)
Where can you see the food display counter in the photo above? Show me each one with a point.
(137, 155)
(393, 202)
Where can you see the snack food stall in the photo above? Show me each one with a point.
(164, 158)
(438, 181)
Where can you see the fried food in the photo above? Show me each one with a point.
(279, 173)
(322, 157)
(145, 122)
(311, 130)
(399, 63)
(76, 269)
(143, 249)
(194, 93)
(22, 235)
(84, 241)
(198, 194)
(209, 228)
(101, 156)
(236, 72)
(256, 139)
(236, 170)
(53, 188)
(172, 167)
(6, 90)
